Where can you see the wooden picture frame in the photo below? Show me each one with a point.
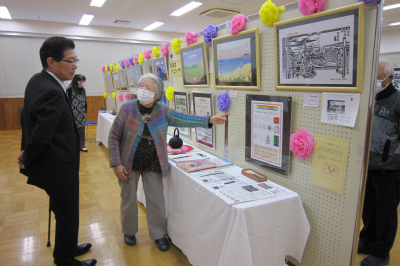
(237, 51)
(321, 52)
(123, 79)
(110, 82)
(160, 67)
(203, 105)
(116, 81)
(194, 62)
(105, 80)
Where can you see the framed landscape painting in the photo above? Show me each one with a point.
(195, 65)
(160, 68)
(123, 79)
(148, 66)
(130, 75)
(116, 81)
(137, 74)
(237, 61)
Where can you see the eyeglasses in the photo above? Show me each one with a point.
(71, 62)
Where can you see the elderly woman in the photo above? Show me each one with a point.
(138, 146)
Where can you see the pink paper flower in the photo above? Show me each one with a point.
(301, 144)
(120, 97)
(146, 54)
(103, 68)
(127, 63)
(135, 59)
(308, 7)
(191, 37)
(237, 23)
(164, 49)
(126, 96)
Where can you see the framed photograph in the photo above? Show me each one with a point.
(137, 74)
(110, 82)
(195, 65)
(123, 79)
(203, 105)
(105, 80)
(268, 127)
(160, 67)
(130, 75)
(116, 81)
(148, 66)
(396, 80)
(321, 52)
(237, 61)
(182, 106)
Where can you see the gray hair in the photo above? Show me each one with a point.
(389, 67)
(157, 80)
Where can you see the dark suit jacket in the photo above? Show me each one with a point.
(50, 139)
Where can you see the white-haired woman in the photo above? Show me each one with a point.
(138, 146)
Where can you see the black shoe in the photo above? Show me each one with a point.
(130, 240)
(82, 249)
(163, 244)
(375, 261)
(90, 262)
(363, 248)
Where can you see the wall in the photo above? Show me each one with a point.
(390, 40)
(333, 216)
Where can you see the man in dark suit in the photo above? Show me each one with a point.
(50, 146)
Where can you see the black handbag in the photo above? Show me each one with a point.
(175, 142)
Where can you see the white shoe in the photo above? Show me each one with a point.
(84, 149)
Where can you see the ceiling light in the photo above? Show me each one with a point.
(4, 14)
(154, 25)
(187, 8)
(97, 3)
(85, 20)
(391, 6)
(394, 24)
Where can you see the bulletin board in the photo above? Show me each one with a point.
(332, 216)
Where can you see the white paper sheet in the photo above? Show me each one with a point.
(311, 100)
(340, 108)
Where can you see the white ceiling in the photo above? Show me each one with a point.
(141, 13)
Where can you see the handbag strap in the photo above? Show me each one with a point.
(175, 132)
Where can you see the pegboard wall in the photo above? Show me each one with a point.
(393, 57)
(332, 216)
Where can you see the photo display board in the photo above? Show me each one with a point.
(203, 105)
(182, 106)
(268, 124)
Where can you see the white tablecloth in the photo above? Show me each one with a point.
(104, 123)
(211, 232)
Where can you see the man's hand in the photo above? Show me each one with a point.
(121, 172)
(20, 161)
(218, 119)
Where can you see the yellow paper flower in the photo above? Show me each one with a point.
(170, 93)
(141, 58)
(114, 95)
(106, 68)
(117, 67)
(105, 95)
(155, 52)
(175, 45)
(111, 67)
(269, 13)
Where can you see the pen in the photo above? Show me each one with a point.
(229, 182)
(182, 157)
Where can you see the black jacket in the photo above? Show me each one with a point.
(50, 139)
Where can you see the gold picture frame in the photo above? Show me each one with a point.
(231, 52)
(321, 52)
(189, 57)
(116, 81)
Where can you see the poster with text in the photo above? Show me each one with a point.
(203, 107)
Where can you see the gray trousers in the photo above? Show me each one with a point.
(155, 204)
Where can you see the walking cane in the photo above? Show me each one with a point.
(48, 236)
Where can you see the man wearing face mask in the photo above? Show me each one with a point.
(138, 147)
(382, 192)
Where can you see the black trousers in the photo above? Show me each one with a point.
(382, 195)
(65, 207)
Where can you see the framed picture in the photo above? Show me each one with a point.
(110, 82)
(130, 75)
(116, 81)
(137, 74)
(268, 127)
(148, 66)
(160, 67)
(321, 52)
(195, 65)
(182, 106)
(123, 79)
(396, 80)
(237, 61)
(105, 80)
(203, 105)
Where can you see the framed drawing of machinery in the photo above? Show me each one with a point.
(321, 52)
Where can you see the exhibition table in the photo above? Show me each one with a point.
(104, 123)
(211, 232)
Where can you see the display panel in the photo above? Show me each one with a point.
(182, 106)
(203, 105)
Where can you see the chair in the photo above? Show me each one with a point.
(87, 124)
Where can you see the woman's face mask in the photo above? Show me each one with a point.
(379, 85)
(145, 96)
